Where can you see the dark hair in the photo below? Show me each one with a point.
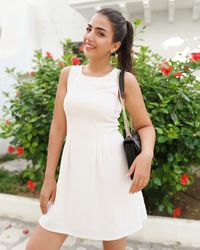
(123, 32)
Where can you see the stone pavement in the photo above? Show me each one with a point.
(14, 234)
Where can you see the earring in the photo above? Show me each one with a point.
(113, 53)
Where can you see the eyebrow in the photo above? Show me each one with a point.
(98, 28)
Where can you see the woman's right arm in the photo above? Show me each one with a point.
(57, 134)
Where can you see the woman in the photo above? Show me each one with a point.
(93, 197)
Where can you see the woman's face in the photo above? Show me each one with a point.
(99, 35)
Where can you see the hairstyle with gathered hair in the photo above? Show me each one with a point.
(123, 32)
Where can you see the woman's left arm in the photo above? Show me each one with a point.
(135, 105)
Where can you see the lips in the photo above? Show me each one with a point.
(90, 46)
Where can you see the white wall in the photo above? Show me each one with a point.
(32, 24)
(184, 32)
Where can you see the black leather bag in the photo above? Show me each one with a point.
(131, 143)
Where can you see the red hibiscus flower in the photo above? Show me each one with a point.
(195, 56)
(81, 48)
(11, 149)
(184, 179)
(20, 150)
(25, 231)
(186, 68)
(8, 122)
(49, 55)
(178, 74)
(176, 212)
(75, 60)
(166, 68)
(31, 185)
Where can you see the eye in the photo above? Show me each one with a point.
(101, 33)
(88, 29)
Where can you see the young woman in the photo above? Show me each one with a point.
(93, 197)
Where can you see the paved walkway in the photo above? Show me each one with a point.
(15, 233)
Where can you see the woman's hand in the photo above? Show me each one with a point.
(142, 169)
(48, 192)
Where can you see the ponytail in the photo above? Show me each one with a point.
(125, 50)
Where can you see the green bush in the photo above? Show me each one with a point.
(171, 99)
(30, 110)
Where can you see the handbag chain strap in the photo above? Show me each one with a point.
(126, 123)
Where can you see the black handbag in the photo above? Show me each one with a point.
(131, 143)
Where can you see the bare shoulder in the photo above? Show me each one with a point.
(64, 76)
(131, 84)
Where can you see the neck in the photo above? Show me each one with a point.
(100, 67)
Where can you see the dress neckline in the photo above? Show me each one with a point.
(109, 73)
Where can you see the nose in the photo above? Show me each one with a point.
(89, 36)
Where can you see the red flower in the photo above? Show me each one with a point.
(166, 68)
(25, 231)
(49, 55)
(81, 48)
(184, 179)
(195, 56)
(20, 150)
(186, 68)
(75, 60)
(178, 74)
(11, 149)
(8, 122)
(31, 185)
(176, 212)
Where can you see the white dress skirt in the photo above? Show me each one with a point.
(92, 198)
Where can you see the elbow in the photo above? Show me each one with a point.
(58, 129)
(144, 126)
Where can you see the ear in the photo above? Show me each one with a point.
(115, 46)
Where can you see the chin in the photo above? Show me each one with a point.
(88, 55)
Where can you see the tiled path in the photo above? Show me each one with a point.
(15, 233)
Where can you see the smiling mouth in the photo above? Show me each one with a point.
(88, 46)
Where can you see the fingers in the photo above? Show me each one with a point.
(43, 203)
(44, 198)
(138, 183)
(131, 169)
(53, 196)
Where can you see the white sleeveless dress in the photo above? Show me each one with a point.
(92, 199)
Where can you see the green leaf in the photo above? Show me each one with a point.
(29, 137)
(6, 94)
(137, 22)
(174, 116)
(184, 96)
(157, 181)
(160, 96)
(161, 207)
(34, 144)
(162, 139)
(159, 131)
(170, 209)
(178, 187)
